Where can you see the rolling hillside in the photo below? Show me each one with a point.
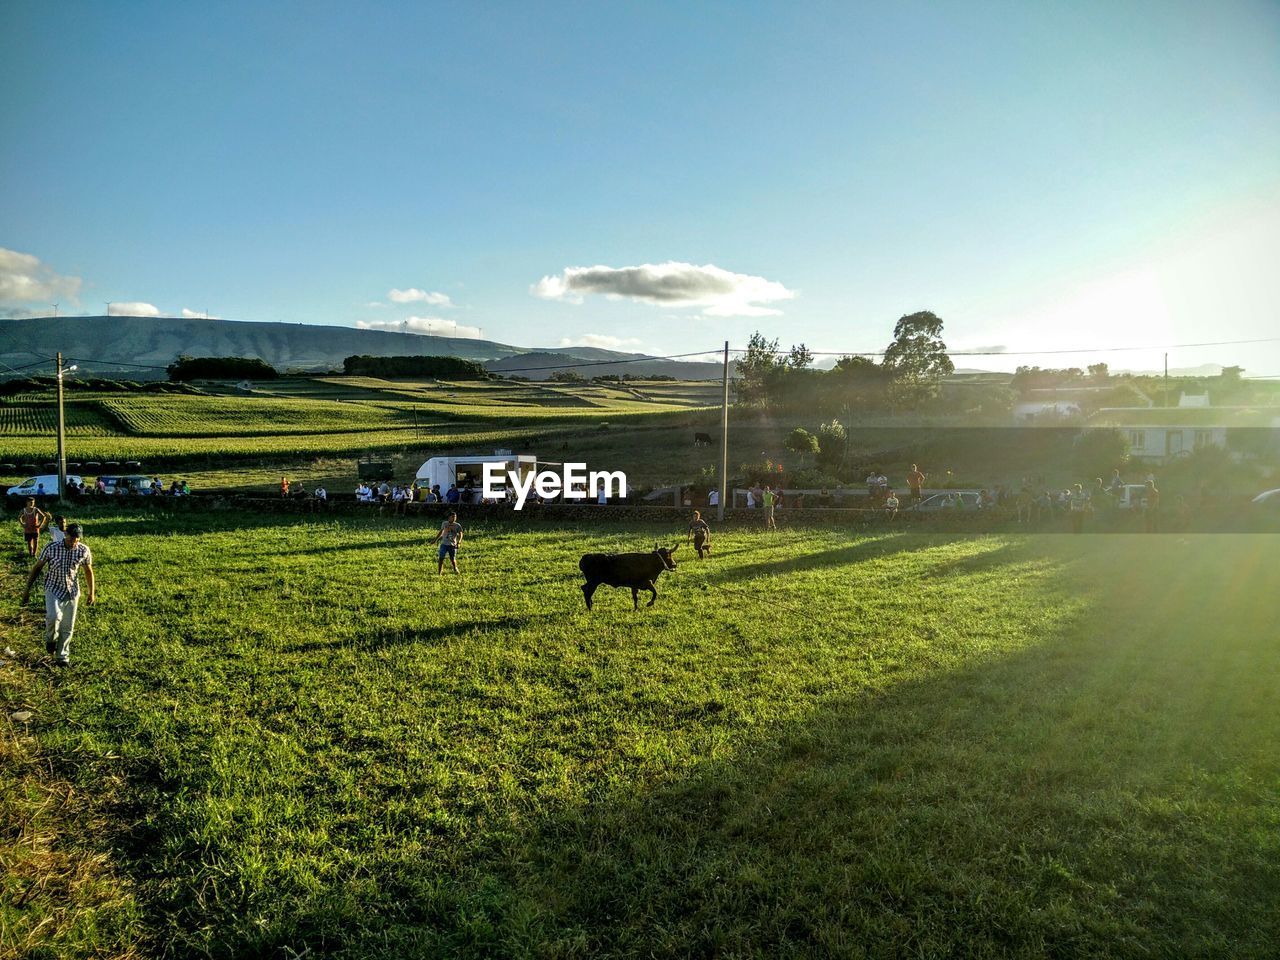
(96, 343)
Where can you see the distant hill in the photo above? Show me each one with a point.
(98, 344)
(541, 364)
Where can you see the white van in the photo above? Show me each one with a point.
(32, 487)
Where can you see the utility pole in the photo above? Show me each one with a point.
(108, 308)
(55, 310)
(724, 438)
(62, 437)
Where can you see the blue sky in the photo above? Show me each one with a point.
(1041, 176)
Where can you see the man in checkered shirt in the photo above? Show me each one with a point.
(62, 563)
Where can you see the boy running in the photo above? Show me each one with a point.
(449, 538)
(700, 534)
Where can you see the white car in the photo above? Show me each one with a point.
(45, 485)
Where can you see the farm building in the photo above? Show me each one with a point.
(1159, 434)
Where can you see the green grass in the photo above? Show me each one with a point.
(305, 419)
(300, 738)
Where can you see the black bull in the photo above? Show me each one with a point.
(639, 571)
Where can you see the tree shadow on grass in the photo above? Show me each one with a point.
(384, 637)
(870, 548)
(1105, 789)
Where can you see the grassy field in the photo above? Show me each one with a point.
(286, 738)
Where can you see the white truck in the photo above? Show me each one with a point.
(469, 471)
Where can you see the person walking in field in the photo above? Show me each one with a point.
(449, 538)
(32, 520)
(915, 480)
(700, 534)
(62, 563)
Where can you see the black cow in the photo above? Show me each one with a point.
(639, 571)
(702, 440)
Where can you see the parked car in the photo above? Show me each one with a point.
(960, 500)
(133, 483)
(1132, 496)
(1266, 511)
(32, 486)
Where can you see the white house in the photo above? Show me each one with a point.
(1159, 434)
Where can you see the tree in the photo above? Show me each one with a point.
(801, 442)
(567, 376)
(1099, 451)
(1099, 372)
(858, 383)
(220, 368)
(800, 357)
(917, 357)
(833, 440)
(757, 370)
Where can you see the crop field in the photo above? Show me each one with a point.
(83, 419)
(288, 737)
(313, 423)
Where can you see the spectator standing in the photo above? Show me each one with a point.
(32, 520)
(1080, 508)
(769, 504)
(915, 481)
(713, 498)
(284, 487)
(62, 563)
(1151, 508)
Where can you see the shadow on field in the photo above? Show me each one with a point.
(397, 636)
(872, 548)
(1107, 789)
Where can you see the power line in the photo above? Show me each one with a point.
(602, 363)
(117, 363)
(1026, 353)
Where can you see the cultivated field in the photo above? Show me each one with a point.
(285, 737)
(342, 416)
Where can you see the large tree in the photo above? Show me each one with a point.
(757, 370)
(917, 358)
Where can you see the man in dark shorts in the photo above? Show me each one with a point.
(449, 538)
(915, 480)
(32, 520)
(700, 533)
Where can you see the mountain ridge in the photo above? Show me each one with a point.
(140, 348)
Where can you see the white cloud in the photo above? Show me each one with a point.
(602, 340)
(197, 315)
(433, 326)
(133, 308)
(414, 295)
(24, 279)
(719, 292)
